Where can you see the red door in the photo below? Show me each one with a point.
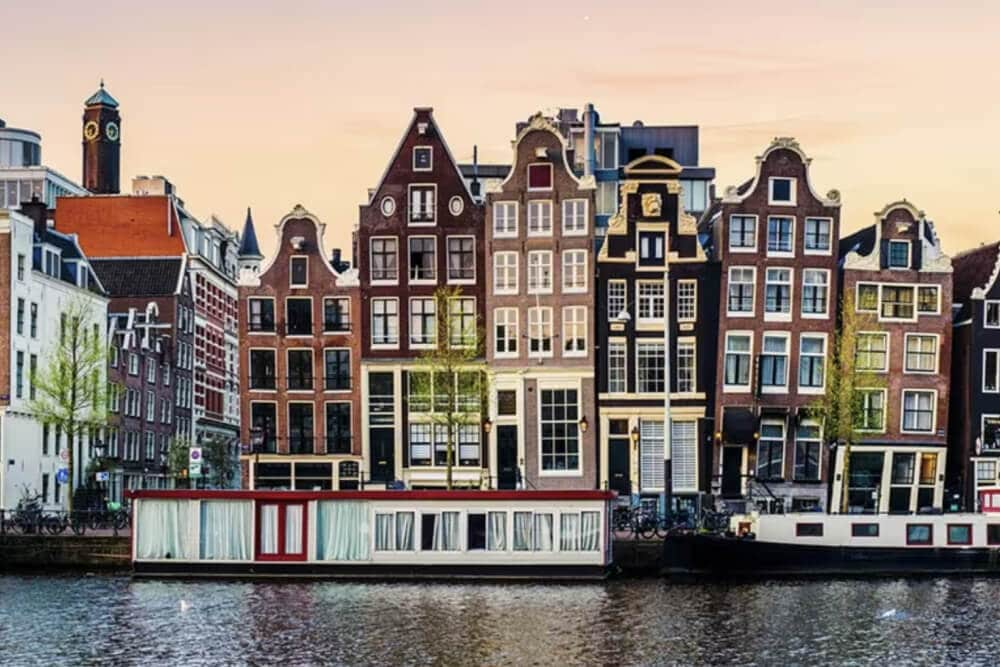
(281, 530)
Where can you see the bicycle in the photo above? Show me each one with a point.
(56, 524)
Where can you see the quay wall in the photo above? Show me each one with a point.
(64, 552)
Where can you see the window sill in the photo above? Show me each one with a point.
(384, 283)
(815, 316)
(735, 389)
(385, 346)
(817, 252)
(742, 249)
(777, 317)
(812, 391)
(740, 313)
(505, 292)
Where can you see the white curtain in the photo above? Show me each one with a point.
(404, 531)
(384, 532)
(522, 531)
(496, 531)
(162, 527)
(293, 529)
(343, 530)
(591, 533)
(543, 533)
(269, 529)
(569, 532)
(445, 532)
(226, 527)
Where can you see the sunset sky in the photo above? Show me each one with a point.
(270, 104)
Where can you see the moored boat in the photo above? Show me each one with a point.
(556, 535)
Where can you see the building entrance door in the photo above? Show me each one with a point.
(383, 455)
(620, 465)
(732, 472)
(506, 457)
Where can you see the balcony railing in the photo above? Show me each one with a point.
(262, 382)
(337, 383)
(300, 382)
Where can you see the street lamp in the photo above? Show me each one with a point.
(584, 425)
(487, 425)
(634, 435)
(256, 442)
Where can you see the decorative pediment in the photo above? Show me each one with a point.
(687, 224)
(652, 165)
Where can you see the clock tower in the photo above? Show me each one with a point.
(101, 143)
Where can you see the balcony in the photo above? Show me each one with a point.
(262, 382)
(300, 382)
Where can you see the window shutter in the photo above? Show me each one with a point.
(884, 264)
(651, 455)
(683, 455)
(916, 257)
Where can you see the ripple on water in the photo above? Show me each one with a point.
(112, 620)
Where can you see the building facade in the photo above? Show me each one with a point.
(540, 317)
(900, 284)
(420, 230)
(300, 350)
(45, 274)
(656, 291)
(775, 241)
(22, 175)
(974, 414)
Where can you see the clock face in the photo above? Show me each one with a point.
(111, 130)
(90, 130)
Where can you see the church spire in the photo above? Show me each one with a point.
(248, 241)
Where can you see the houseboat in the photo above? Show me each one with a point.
(540, 535)
(806, 544)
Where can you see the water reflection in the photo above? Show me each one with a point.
(112, 620)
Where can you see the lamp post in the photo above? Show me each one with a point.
(256, 442)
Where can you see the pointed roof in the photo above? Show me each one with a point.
(101, 97)
(248, 240)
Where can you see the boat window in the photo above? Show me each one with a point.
(864, 530)
(919, 534)
(959, 533)
(394, 532)
(993, 534)
(496, 534)
(476, 532)
(809, 530)
(533, 532)
(579, 531)
(439, 532)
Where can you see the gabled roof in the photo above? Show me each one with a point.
(122, 225)
(976, 268)
(139, 277)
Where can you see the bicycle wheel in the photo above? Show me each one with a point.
(121, 520)
(54, 525)
(78, 524)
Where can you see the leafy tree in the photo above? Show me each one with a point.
(70, 387)
(841, 408)
(218, 463)
(452, 377)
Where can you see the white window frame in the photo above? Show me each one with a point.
(409, 205)
(986, 311)
(885, 408)
(805, 236)
(909, 256)
(753, 291)
(767, 240)
(881, 290)
(467, 339)
(826, 351)
(937, 307)
(607, 186)
(687, 343)
(291, 261)
(383, 346)
(568, 255)
(527, 176)
(413, 164)
(683, 302)
(996, 379)
(503, 269)
(371, 262)
(888, 343)
(784, 445)
(737, 388)
(775, 388)
(729, 239)
(539, 205)
(857, 298)
(653, 320)
(574, 214)
(416, 345)
(599, 152)
(902, 410)
(792, 191)
(779, 316)
(826, 301)
(447, 258)
(540, 288)
(624, 298)
(580, 436)
(568, 321)
(541, 311)
(906, 352)
(619, 349)
(409, 255)
(515, 334)
(506, 233)
(640, 344)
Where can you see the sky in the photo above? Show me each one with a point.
(273, 103)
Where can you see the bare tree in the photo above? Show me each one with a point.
(71, 392)
(452, 378)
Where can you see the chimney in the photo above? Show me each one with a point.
(474, 186)
(39, 214)
(588, 139)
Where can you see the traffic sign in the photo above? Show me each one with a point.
(194, 462)
(62, 475)
(102, 476)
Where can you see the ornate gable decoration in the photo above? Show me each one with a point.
(652, 165)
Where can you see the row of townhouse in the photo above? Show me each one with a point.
(165, 293)
(640, 333)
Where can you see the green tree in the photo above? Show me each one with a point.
(70, 389)
(841, 409)
(219, 465)
(451, 381)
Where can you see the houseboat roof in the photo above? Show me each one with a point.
(227, 494)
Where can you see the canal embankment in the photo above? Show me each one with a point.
(82, 553)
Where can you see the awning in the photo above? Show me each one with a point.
(737, 426)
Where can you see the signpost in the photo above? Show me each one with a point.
(62, 475)
(194, 462)
(102, 476)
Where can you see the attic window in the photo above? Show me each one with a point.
(899, 254)
(781, 191)
(539, 176)
(423, 158)
(299, 272)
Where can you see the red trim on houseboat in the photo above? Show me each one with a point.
(209, 494)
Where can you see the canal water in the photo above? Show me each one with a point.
(47, 620)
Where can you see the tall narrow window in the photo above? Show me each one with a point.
(771, 451)
(872, 352)
(815, 288)
(650, 368)
(687, 300)
(686, 360)
(617, 367)
(991, 371)
(261, 314)
(742, 233)
(812, 360)
(423, 322)
(337, 369)
(650, 295)
(899, 254)
(300, 428)
(385, 322)
(298, 316)
(423, 258)
(651, 248)
(461, 258)
(462, 321)
(921, 354)
(780, 232)
(817, 235)
(338, 428)
(742, 281)
(505, 272)
(540, 332)
(991, 314)
(617, 294)
(574, 271)
(774, 362)
(928, 299)
(559, 430)
(574, 331)
(539, 217)
(262, 369)
(300, 369)
(336, 314)
(737, 361)
(808, 452)
(299, 273)
(540, 272)
(504, 219)
(778, 291)
(384, 264)
(918, 411)
(574, 217)
(422, 204)
(505, 331)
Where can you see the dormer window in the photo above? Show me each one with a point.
(423, 158)
(299, 272)
(539, 176)
(899, 254)
(781, 191)
(53, 263)
(651, 248)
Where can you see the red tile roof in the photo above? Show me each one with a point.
(122, 226)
